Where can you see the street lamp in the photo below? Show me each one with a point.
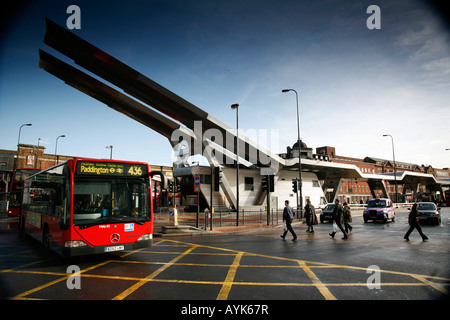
(18, 141)
(56, 147)
(110, 154)
(395, 169)
(299, 149)
(236, 106)
(37, 153)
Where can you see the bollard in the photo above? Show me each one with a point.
(173, 216)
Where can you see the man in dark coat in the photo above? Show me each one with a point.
(414, 223)
(288, 216)
(337, 217)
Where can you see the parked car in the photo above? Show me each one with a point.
(379, 209)
(428, 211)
(327, 213)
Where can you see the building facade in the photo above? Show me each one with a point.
(359, 192)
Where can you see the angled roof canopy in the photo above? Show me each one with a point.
(175, 113)
(136, 85)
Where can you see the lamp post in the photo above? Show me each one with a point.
(299, 149)
(395, 166)
(37, 153)
(56, 147)
(236, 106)
(18, 141)
(110, 154)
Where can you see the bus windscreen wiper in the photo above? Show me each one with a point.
(125, 217)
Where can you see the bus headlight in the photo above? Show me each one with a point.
(147, 236)
(75, 244)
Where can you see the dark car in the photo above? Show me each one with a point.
(379, 209)
(327, 213)
(428, 211)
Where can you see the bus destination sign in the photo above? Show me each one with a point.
(98, 168)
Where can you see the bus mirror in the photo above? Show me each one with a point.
(164, 181)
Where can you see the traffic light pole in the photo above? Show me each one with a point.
(268, 207)
(265, 185)
(295, 188)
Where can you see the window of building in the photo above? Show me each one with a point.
(249, 184)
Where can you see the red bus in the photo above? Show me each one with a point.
(16, 190)
(88, 206)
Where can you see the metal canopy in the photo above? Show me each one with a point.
(144, 89)
(175, 113)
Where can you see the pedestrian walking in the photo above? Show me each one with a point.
(310, 216)
(337, 218)
(413, 220)
(288, 216)
(347, 218)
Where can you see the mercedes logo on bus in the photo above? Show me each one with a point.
(115, 237)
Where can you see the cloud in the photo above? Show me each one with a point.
(441, 66)
(426, 44)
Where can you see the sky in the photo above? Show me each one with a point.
(355, 84)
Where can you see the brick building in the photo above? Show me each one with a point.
(30, 156)
(351, 190)
(359, 192)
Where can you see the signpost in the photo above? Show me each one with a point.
(197, 189)
(197, 183)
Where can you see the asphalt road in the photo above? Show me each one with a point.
(374, 263)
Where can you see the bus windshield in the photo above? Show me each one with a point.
(110, 200)
(16, 188)
(22, 174)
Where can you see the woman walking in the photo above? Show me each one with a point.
(347, 218)
(414, 223)
(310, 216)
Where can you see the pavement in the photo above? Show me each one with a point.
(165, 230)
(182, 230)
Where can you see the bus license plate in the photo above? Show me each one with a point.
(114, 248)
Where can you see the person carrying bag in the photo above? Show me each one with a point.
(337, 217)
(347, 218)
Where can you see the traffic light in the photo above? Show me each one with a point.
(217, 178)
(271, 184)
(170, 186)
(295, 185)
(264, 183)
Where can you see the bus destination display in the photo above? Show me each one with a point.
(110, 169)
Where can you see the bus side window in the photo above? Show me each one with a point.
(59, 200)
(62, 195)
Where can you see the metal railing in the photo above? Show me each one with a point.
(221, 217)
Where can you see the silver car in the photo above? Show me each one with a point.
(428, 211)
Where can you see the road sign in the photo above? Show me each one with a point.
(197, 183)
